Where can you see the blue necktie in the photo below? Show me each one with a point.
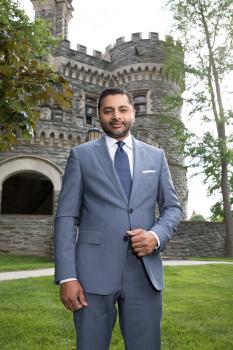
(121, 163)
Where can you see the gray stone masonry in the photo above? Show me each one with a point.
(197, 239)
(26, 235)
(31, 235)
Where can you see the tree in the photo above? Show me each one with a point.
(26, 79)
(197, 217)
(205, 29)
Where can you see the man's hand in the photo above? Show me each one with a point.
(143, 242)
(72, 296)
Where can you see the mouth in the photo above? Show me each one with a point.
(116, 125)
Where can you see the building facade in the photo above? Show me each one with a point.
(31, 174)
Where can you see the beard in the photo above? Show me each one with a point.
(116, 134)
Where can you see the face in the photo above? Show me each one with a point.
(116, 116)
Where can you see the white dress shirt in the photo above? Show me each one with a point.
(128, 148)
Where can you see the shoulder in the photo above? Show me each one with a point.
(84, 147)
(147, 147)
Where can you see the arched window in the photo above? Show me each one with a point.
(42, 138)
(51, 138)
(27, 193)
(61, 140)
(90, 109)
(70, 140)
(140, 104)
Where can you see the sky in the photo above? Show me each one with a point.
(96, 24)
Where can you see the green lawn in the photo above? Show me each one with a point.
(198, 312)
(9, 262)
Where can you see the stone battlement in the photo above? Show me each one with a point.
(135, 38)
(125, 61)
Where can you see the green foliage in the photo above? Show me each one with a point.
(26, 79)
(173, 66)
(197, 217)
(204, 28)
(217, 209)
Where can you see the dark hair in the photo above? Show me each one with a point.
(114, 91)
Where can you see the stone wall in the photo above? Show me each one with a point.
(26, 235)
(197, 239)
(33, 235)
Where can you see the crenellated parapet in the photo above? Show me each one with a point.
(125, 61)
(135, 37)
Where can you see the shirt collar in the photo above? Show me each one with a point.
(110, 141)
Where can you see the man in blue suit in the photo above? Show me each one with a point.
(110, 192)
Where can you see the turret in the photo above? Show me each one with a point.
(57, 12)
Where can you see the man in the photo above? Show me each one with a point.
(110, 191)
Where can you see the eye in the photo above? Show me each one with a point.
(124, 110)
(107, 111)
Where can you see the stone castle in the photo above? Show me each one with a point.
(31, 174)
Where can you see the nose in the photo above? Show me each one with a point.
(116, 115)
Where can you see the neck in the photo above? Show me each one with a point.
(118, 138)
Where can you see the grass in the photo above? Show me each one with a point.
(198, 312)
(9, 262)
(198, 308)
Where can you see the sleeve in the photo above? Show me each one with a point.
(66, 220)
(169, 207)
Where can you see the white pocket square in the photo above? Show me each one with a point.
(148, 171)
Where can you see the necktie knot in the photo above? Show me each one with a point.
(120, 145)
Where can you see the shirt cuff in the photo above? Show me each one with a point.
(157, 238)
(67, 280)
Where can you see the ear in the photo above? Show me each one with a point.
(134, 113)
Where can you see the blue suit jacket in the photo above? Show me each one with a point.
(93, 201)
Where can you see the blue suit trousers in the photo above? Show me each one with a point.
(139, 310)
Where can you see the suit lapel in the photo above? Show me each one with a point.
(137, 168)
(104, 158)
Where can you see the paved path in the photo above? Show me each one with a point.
(14, 275)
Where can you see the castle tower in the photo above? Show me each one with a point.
(57, 12)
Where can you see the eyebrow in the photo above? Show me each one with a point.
(110, 107)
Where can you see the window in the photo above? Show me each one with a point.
(45, 113)
(90, 109)
(140, 104)
(57, 114)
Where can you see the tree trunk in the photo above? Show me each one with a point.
(228, 220)
(220, 123)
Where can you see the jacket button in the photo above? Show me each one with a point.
(130, 210)
(126, 238)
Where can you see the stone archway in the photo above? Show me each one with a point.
(14, 165)
(25, 231)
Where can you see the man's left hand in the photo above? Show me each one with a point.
(143, 242)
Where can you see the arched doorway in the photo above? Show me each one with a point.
(29, 188)
(28, 193)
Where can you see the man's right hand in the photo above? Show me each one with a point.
(72, 295)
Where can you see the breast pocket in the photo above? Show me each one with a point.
(150, 176)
